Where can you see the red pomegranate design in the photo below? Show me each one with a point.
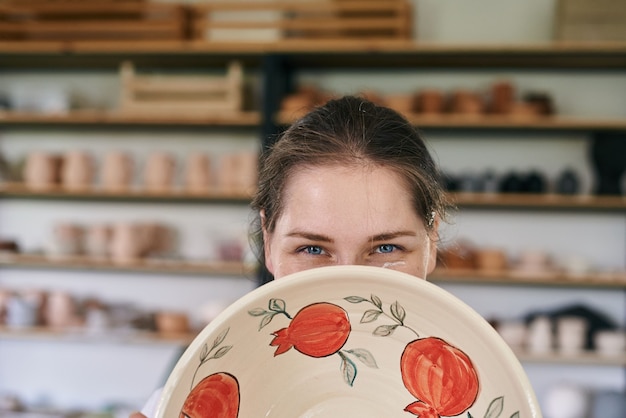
(441, 376)
(317, 330)
(216, 396)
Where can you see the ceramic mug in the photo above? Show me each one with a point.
(98, 240)
(571, 334)
(198, 173)
(67, 240)
(41, 170)
(117, 171)
(159, 171)
(127, 243)
(78, 170)
(60, 310)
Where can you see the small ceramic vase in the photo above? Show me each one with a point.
(514, 333)
(430, 102)
(198, 176)
(491, 259)
(98, 240)
(571, 334)
(78, 170)
(540, 336)
(127, 243)
(502, 97)
(169, 322)
(21, 312)
(610, 343)
(117, 171)
(467, 103)
(67, 240)
(159, 171)
(60, 310)
(41, 170)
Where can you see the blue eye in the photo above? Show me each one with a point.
(313, 250)
(385, 248)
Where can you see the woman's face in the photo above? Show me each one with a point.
(354, 215)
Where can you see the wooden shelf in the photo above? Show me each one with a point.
(590, 358)
(21, 191)
(512, 277)
(315, 53)
(115, 118)
(488, 122)
(151, 266)
(538, 201)
(85, 336)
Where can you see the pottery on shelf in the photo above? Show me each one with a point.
(97, 240)
(117, 171)
(78, 170)
(41, 170)
(198, 176)
(502, 97)
(67, 240)
(127, 243)
(159, 171)
(430, 102)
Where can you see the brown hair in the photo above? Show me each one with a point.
(349, 130)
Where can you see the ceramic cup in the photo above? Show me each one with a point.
(41, 170)
(198, 173)
(67, 240)
(610, 343)
(78, 170)
(159, 171)
(540, 336)
(60, 310)
(571, 334)
(98, 240)
(514, 333)
(117, 171)
(127, 243)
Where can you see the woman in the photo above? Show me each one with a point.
(351, 183)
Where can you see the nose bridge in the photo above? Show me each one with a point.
(349, 258)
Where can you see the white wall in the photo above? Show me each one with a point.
(93, 375)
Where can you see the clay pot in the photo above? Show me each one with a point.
(502, 97)
(127, 243)
(198, 176)
(78, 170)
(41, 170)
(60, 310)
(467, 103)
(117, 171)
(67, 240)
(491, 259)
(430, 101)
(159, 171)
(238, 173)
(98, 240)
(172, 322)
(402, 103)
(571, 334)
(156, 239)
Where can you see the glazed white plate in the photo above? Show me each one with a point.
(348, 341)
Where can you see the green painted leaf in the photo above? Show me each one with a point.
(384, 330)
(266, 320)
(370, 315)
(398, 312)
(377, 302)
(495, 408)
(348, 369)
(220, 338)
(204, 353)
(257, 312)
(277, 305)
(364, 356)
(355, 299)
(223, 350)
(515, 415)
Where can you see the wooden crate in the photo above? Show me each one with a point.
(590, 20)
(78, 20)
(301, 19)
(181, 95)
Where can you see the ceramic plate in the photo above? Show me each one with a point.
(348, 341)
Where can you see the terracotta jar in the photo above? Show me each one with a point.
(60, 310)
(502, 97)
(98, 240)
(117, 171)
(198, 175)
(67, 240)
(466, 102)
(78, 170)
(41, 170)
(159, 171)
(430, 101)
(127, 243)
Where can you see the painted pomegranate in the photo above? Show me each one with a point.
(216, 396)
(317, 330)
(441, 376)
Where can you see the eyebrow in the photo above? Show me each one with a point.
(375, 238)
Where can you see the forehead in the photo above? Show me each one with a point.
(354, 197)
